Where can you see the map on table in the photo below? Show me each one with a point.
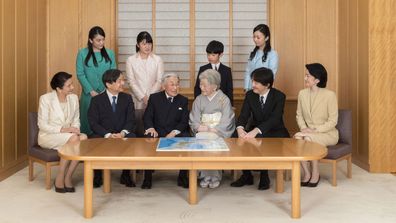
(178, 144)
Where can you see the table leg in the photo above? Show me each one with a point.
(106, 181)
(193, 186)
(279, 181)
(296, 212)
(88, 187)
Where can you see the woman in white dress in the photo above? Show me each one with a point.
(59, 123)
(211, 117)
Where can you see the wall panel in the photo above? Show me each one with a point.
(42, 46)
(382, 82)
(321, 43)
(9, 99)
(32, 49)
(63, 38)
(1, 85)
(288, 35)
(22, 63)
(21, 78)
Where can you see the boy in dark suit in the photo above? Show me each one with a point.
(214, 51)
(111, 114)
(265, 104)
(166, 115)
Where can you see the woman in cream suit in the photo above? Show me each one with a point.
(144, 71)
(59, 123)
(317, 115)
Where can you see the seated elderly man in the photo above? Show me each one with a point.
(211, 117)
(166, 115)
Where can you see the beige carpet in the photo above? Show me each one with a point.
(364, 198)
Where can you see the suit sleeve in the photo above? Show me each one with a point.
(183, 124)
(113, 60)
(43, 117)
(227, 122)
(81, 75)
(299, 113)
(230, 87)
(160, 71)
(131, 75)
(332, 108)
(130, 124)
(76, 113)
(195, 115)
(273, 62)
(148, 115)
(245, 113)
(93, 118)
(275, 116)
(197, 89)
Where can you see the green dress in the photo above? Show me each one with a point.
(90, 78)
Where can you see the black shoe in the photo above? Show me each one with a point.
(305, 184)
(313, 184)
(182, 181)
(97, 181)
(59, 189)
(146, 184)
(70, 189)
(243, 180)
(264, 183)
(126, 179)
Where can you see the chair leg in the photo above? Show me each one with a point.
(31, 170)
(349, 166)
(334, 175)
(48, 176)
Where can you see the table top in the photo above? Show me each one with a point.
(144, 149)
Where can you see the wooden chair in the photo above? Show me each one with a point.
(46, 157)
(343, 149)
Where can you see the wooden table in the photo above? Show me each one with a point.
(140, 153)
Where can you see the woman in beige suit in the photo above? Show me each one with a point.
(144, 71)
(59, 123)
(317, 115)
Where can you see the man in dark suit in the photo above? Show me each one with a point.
(166, 115)
(214, 51)
(111, 114)
(265, 104)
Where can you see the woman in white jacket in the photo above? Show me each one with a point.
(144, 71)
(59, 123)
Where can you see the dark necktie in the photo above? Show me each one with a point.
(170, 99)
(262, 102)
(113, 104)
(217, 69)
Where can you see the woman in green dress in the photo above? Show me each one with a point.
(91, 63)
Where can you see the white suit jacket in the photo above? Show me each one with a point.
(50, 115)
(144, 77)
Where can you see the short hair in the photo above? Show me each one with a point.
(212, 76)
(319, 72)
(264, 76)
(166, 76)
(59, 80)
(111, 76)
(215, 46)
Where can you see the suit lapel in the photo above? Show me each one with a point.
(56, 106)
(268, 102)
(316, 101)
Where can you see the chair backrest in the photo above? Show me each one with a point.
(139, 122)
(344, 126)
(33, 129)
